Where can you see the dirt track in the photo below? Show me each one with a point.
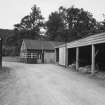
(26, 84)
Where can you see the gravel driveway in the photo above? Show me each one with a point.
(46, 84)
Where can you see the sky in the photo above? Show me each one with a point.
(12, 11)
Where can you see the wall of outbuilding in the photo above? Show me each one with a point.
(36, 56)
(89, 51)
(62, 56)
(49, 57)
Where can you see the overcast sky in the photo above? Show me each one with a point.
(11, 11)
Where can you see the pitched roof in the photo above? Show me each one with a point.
(93, 39)
(39, 44)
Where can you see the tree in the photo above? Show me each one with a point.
(80, 23)
(70, 24)
(55, 26)
(30, 25)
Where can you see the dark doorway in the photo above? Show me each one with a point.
(84, 56)
(100, 56)
(57, 54)
(71, 56)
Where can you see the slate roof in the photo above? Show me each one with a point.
(39, 44)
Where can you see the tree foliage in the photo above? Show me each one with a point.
(55, 27)
(80, 22)
(29, 27)
(71, 23)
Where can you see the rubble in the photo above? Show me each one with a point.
(72, 66)
(85, 69)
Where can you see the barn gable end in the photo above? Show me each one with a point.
(34, 51)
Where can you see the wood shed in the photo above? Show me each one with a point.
(86, 51)
(38, 51)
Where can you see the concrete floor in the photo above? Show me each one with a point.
(46, 84)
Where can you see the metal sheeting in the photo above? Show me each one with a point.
(62, 56)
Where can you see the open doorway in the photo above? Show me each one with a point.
(100, 56)
(85, 56)
(71, 56)
(57, 54)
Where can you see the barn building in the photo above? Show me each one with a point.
(38, 51)
(86, 51)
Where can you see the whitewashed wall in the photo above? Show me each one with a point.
(22, 53)
(23, 46)
(49, 57)
(62, 56)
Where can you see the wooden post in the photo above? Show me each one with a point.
(42, 55)
(77, 58)
(66, 55)
(93, 59)
(55, 55)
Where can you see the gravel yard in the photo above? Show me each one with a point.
(47, 84)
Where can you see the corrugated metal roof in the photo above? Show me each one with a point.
(39, 44)
(93, 39)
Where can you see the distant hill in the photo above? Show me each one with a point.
(5, 34)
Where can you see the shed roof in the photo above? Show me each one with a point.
(93, 39)
(39, 44)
